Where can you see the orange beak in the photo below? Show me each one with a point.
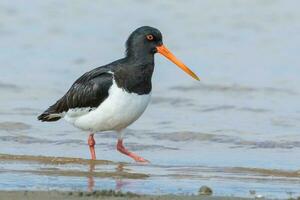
(165, 52)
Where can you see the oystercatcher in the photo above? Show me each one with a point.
(113, 96)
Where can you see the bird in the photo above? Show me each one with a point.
(113, 96)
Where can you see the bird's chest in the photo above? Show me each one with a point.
(125, 104)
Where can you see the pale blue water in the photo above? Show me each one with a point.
(244, 112)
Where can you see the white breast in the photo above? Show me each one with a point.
(118, 111)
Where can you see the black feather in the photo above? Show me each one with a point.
(90, 90)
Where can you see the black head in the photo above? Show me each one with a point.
(143, 42)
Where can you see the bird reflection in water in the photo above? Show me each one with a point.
(119, 180)
(91, 181)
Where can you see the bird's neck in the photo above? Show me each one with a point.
(136, 76)
(142, 56)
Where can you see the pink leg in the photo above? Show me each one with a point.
(123, 150)
(92, 143)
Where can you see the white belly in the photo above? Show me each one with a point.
(118, 111)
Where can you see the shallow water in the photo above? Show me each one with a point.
(244, 112)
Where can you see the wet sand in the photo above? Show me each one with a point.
(90, 172)
(50, 161)
(104, 195)
(52, 171)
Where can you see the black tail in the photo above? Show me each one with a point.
(50, 115)
(46, 117)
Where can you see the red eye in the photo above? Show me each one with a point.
(150, 37)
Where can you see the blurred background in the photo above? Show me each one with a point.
(244, 113)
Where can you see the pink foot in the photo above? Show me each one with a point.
(134, 156)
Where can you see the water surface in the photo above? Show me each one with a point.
(244, 113)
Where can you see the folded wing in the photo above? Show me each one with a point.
(89, 91)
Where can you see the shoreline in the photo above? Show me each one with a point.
(60, 161)
(104, 195)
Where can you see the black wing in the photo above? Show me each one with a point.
(90, 90)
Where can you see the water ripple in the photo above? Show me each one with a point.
(234, 88)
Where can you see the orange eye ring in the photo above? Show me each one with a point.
(150, 37)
